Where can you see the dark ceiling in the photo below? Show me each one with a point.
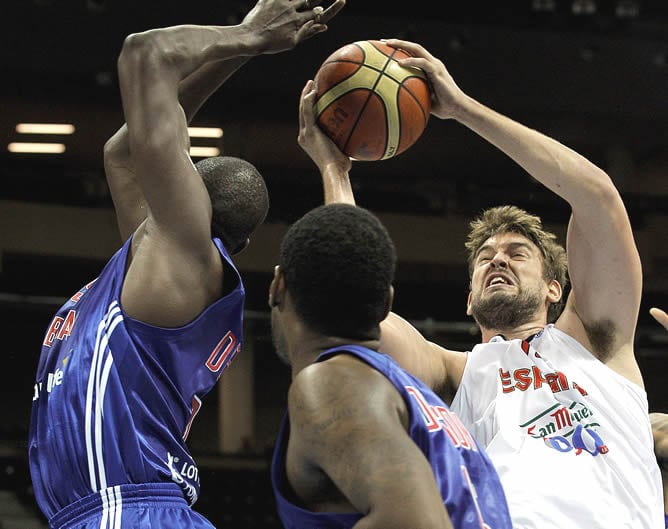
(597, 82)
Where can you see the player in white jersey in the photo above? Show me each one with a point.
(554, 391)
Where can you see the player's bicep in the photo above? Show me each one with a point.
(353, 432)
(604, 268)
(403, 342)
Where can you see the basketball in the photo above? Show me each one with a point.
(369, 105)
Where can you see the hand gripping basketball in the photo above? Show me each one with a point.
(368, 104)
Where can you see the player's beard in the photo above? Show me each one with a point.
(505, 310)
(278, 339)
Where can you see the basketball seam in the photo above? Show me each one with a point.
(380, 73)
(410, 92)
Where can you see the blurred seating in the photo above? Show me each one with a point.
(236, 493)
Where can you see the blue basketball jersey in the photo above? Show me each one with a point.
(468, 482)
(114, 398)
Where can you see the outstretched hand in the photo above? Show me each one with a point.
(660, 315)
(322, 150)
(283, 24)
(446, 95)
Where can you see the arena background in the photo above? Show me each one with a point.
(592, 74)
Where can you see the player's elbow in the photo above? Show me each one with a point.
(599, 181)
(117, 149)
(134, 49)
(140, 54)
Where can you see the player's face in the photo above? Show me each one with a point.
(507, 286)
(278, 337)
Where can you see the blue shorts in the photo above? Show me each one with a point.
(149, 505)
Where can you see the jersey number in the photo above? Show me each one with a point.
(223, 353)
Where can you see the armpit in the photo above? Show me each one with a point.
(601, 337)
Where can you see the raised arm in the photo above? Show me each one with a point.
(439, 368)
(355, 434)
(126, 193)
(604, 265)
(176, 271)
(334, 166)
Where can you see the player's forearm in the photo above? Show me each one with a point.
(183, 50)
(195, 89)
(336, 186)
(559, 168)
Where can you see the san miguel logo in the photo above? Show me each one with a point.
(566, 429)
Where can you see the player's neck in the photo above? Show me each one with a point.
(307, 350)
(521, 332)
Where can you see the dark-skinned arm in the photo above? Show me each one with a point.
(126, 193)
(356, 434)
(176, 271)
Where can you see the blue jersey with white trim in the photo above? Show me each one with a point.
(469, 485)
(114, 397)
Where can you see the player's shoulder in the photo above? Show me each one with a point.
(342, 380)
(340, 391)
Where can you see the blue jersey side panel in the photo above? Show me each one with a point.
(114, 397)
(468, 482)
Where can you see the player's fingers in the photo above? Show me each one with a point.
(307, 87)
(305, 90)
(413, 48)
(417, 62)
(660, 315)
(317, 14)
(309, 103)
(329, 13)
(310, 28)
(307, 5)
(307, 106)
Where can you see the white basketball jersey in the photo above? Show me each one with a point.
(570, 438)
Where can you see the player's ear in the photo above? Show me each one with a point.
(554, 291)
(276, 288)
(468, 304)
(388, 301)
(272, 290)
(240, 248)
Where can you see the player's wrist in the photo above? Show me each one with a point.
(242, 40)
(464, 109)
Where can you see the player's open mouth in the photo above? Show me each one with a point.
(495, 280)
